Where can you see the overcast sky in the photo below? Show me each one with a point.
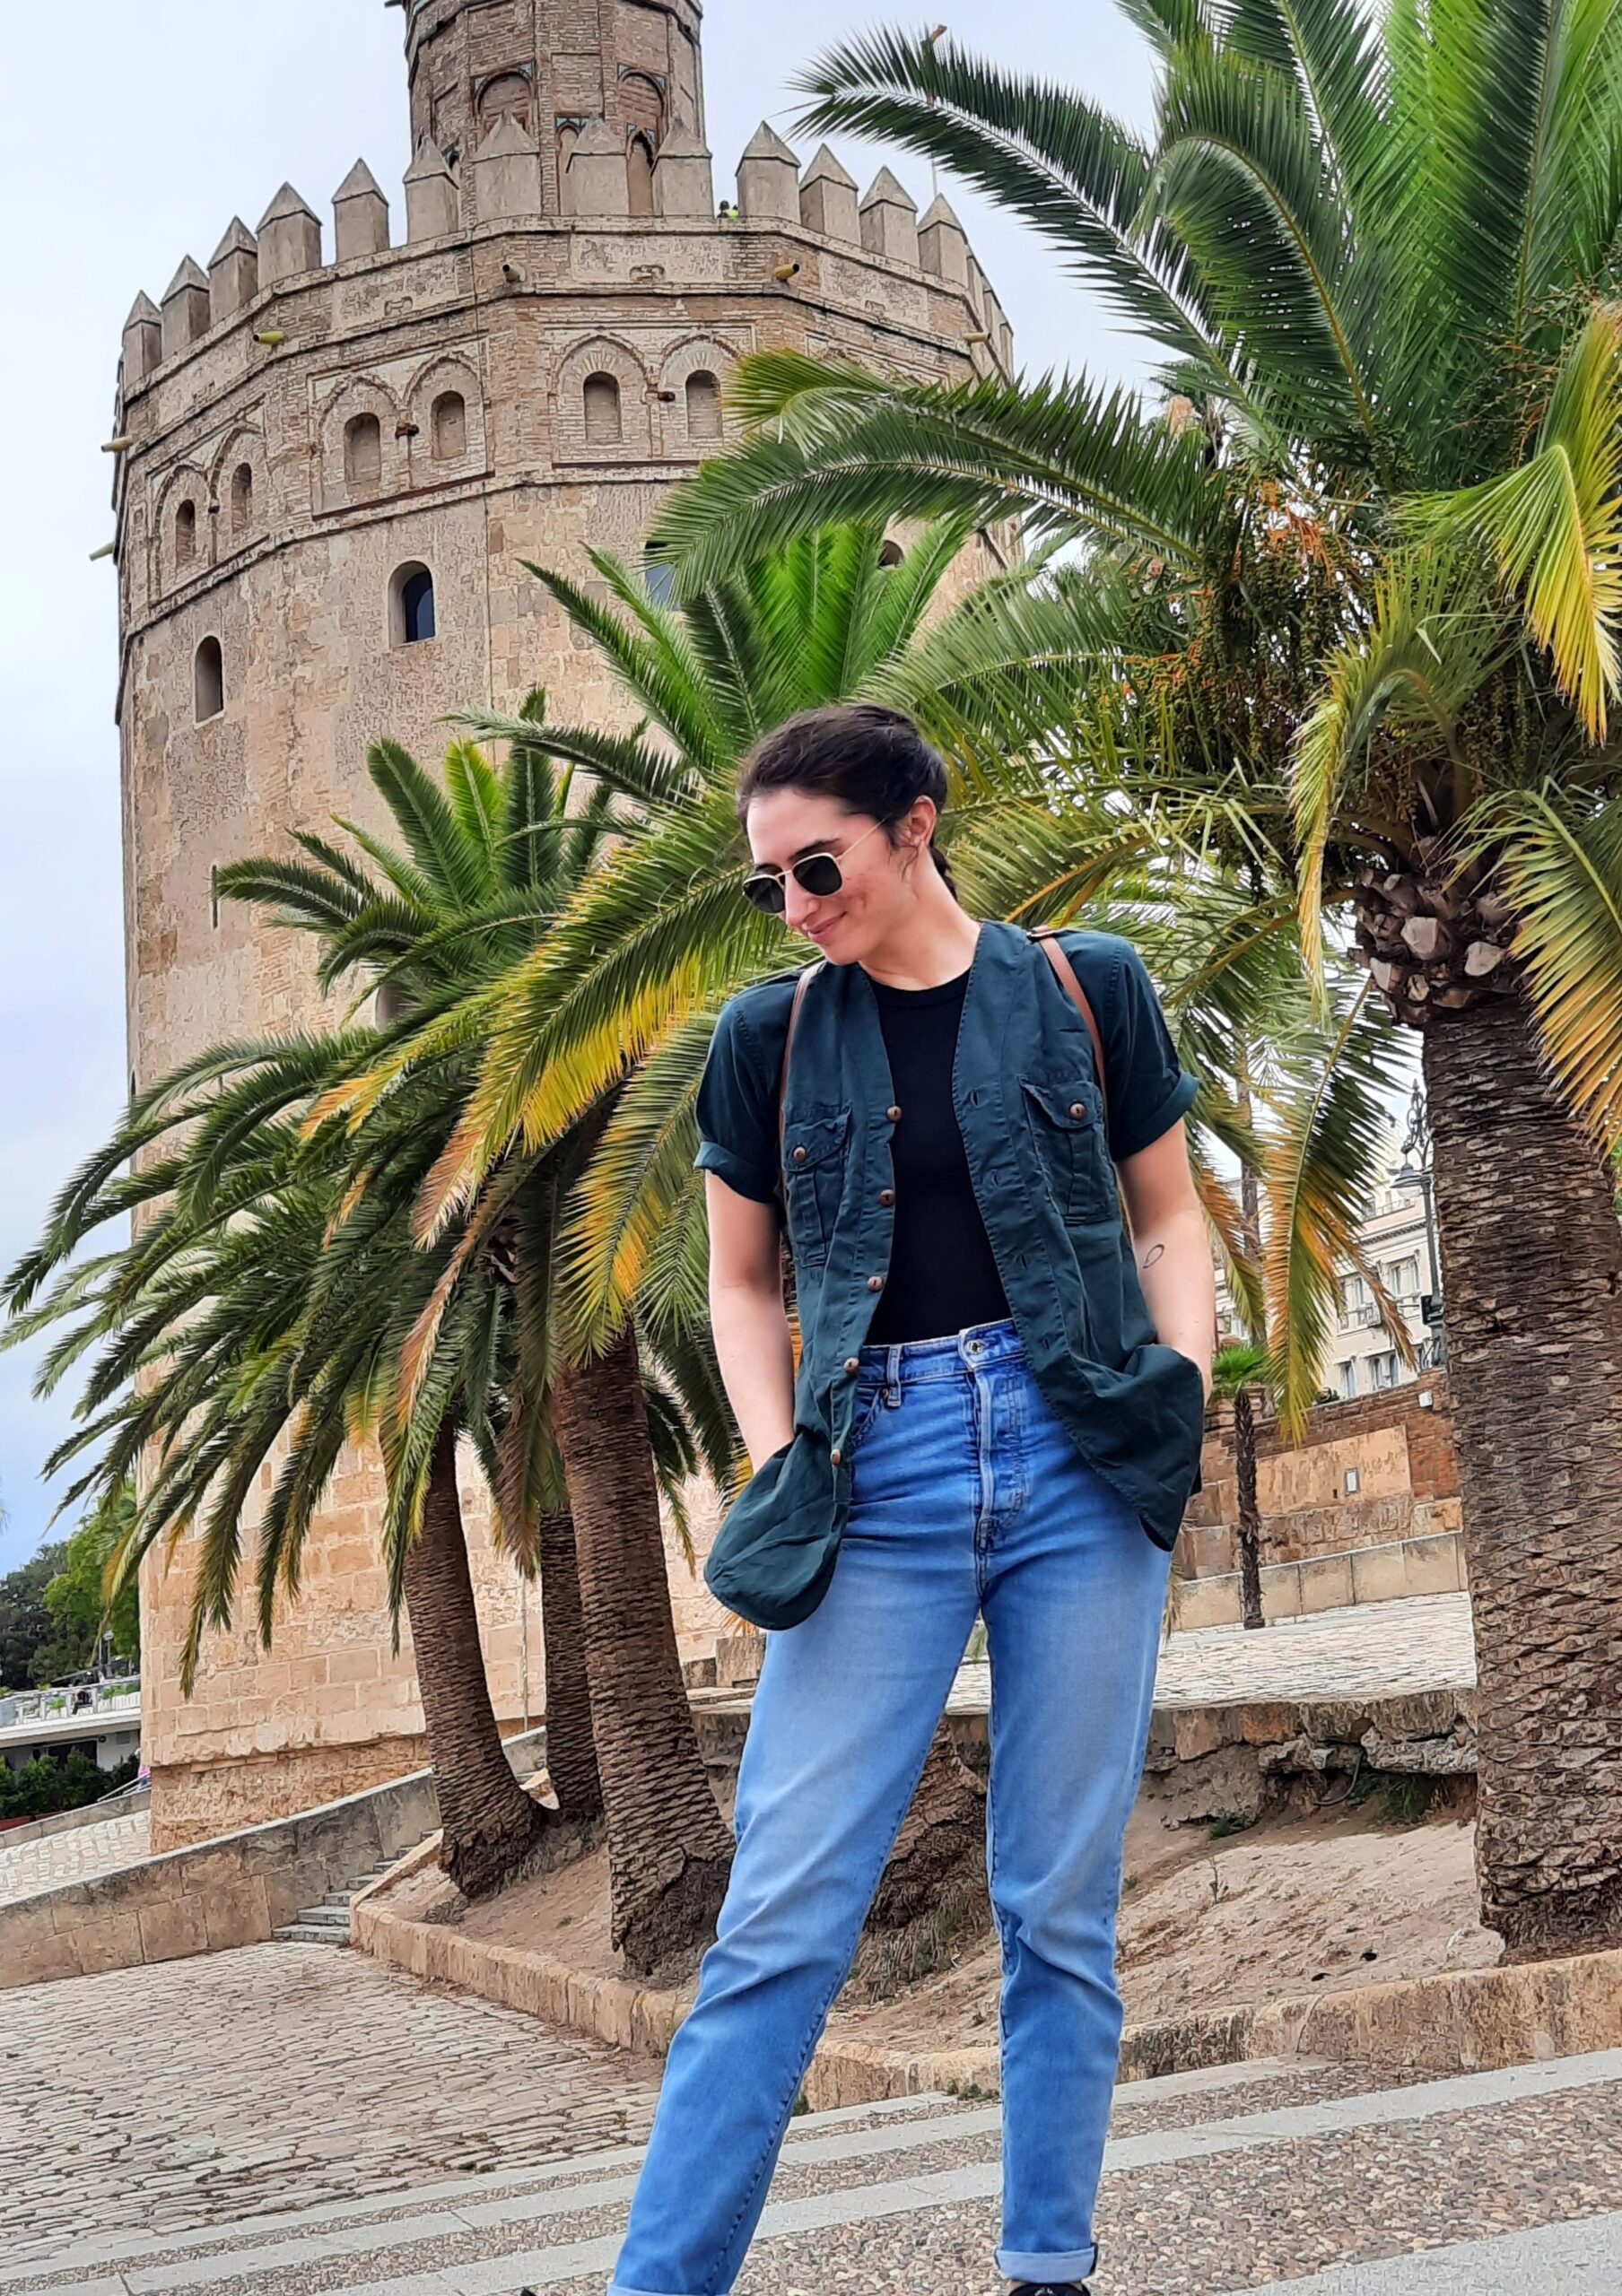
(186, 112)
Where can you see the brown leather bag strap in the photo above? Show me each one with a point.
(1065, 971)
(801, 986)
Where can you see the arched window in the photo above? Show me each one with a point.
(411, 616)
(639, 170)
(363, 454)
(186, 534)
(241, 499)
(449, 427)
(703, 407)
(891, 554)
(208, 680)
(604, 427)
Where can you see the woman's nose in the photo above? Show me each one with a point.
(798, 906)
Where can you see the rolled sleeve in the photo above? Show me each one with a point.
(736, 1121)
(1149, 1090)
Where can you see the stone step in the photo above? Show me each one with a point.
(312, 1933)
(325, 1917)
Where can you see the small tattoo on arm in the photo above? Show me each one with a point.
(1153, 1253)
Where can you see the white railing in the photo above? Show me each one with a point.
(72, 1702)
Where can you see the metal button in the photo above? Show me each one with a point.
(886, 1196)
(1077, 1108)
(875, 1284)
(893, 1115)
(853, 1364)
(799, 1153)
(837, 1454)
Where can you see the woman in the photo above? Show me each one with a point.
(998, 1410)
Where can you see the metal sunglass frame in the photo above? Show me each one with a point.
(777, 880)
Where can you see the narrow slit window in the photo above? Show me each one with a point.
(241, 499)
(209, 680)
(639, 173)
(604, 423)
(363, 454)
(449, 427)
(186, 534)
(703, 407)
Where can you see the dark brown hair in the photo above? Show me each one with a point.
(872, 759)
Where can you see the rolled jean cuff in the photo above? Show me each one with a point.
(620, 2288)
(1076, 2264)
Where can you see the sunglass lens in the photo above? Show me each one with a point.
(819, 874)
(766, 894)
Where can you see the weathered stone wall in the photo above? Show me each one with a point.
(1399, 1448)
(249, 517)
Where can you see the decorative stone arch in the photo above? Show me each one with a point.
(360, 397)
(442, 377)
(187, 486)
(240, 521)
(601, 355)
(683, 406)
(507, 94)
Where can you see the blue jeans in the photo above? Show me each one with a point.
(966, 1496)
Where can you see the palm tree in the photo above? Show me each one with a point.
(1377, 255)
(277, 1297)
(1237, 1369)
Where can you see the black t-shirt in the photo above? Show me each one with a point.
(942, 1275)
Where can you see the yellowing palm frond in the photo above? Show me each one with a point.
(1554, 524)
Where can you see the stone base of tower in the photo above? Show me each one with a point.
(194, 1801)
(331, 1708)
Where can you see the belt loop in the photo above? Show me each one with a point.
(893, 1365)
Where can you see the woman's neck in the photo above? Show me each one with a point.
(934, 944)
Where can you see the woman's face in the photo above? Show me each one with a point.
(784, 825)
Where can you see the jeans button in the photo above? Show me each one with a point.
(852, 1365)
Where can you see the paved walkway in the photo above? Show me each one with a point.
(1366, 1650)
(278, 2122)
(77, 1854)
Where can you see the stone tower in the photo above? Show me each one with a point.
(333, 454)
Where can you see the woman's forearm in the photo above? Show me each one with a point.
(1179, 1284)
(756, 1356)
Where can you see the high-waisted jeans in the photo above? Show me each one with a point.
(966, 1496)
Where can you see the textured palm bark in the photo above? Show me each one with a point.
(493, 1831)
(571, 1751)
(669, 1851)
(1249, 1532)
(933, 1891)
(1532, 1256)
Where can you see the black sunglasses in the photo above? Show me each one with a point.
(816, 874)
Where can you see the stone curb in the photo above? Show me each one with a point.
(1464, 2021)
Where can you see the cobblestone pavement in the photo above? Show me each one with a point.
(77, 1854)
(1366, 1650)
(278, 2122)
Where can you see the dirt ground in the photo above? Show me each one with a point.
(1208, 1919)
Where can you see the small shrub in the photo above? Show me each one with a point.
(1227, 1821)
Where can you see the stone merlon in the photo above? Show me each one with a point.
(768, 179)
(290, 237)
(233, 272)
(359, 215)
(432, 209)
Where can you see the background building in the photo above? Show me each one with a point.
(333, 454)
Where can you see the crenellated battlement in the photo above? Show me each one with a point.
(503, 188)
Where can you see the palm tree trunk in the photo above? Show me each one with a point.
(492, 1829)
(571, 1754)
(933, 1891)
(668, 1849)
(1532, 1255)
(1249, 1533)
